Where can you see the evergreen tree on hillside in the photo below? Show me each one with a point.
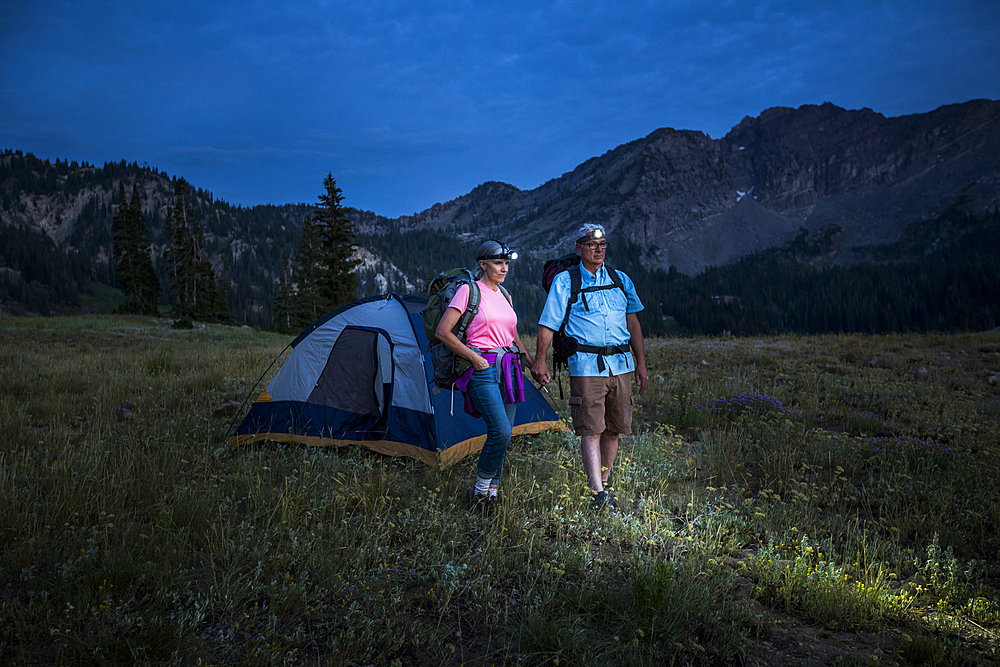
(147, 291)
(308, 273)
(120, 232)
(180, 253)
(134, 268)
(284, 302)
(210, 304)
(338, 284)
(194, 289)
(322, 277)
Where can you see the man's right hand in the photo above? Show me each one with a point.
(540, 371)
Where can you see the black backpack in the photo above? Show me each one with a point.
(564, 346)
(447, 365)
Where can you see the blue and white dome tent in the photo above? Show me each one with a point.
(358, 376)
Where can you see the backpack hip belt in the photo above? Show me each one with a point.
(602, 352)
(510, 349)
(501, 352)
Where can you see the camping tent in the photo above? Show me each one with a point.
(358, 376)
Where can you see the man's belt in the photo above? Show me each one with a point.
(602, 352)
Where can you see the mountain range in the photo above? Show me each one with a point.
(683, 200)
(690, 202)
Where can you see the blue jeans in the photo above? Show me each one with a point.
(484, 390)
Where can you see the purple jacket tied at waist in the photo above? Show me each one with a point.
(510, 374)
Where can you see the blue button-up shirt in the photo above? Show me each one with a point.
(602, 325)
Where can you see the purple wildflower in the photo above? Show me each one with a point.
(897, 445)
(753, 404)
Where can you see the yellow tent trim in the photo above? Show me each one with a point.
(448, 457)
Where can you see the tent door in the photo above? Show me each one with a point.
(358, 379)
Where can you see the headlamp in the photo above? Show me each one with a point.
(503, 252)
(591, 233)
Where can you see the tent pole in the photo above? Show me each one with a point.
(252, 390)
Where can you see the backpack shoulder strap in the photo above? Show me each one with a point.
(575, 281)
(471, 308)
(503, 290)
(616, 279)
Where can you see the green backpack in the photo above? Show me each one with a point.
(447, 365)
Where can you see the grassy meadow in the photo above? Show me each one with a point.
(788, 500)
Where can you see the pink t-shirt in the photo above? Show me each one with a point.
(494, 325)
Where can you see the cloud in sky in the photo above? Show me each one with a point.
(409, 104)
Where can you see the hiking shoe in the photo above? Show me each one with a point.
(479, 503)
(604, 502)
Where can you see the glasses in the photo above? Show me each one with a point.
(594, 245)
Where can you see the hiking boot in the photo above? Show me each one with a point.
(479, 503)
(605, 502)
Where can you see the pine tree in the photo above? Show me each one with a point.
(134, 270)
(283, 305)
(322, 276)
(338, 283)
(120, 231)
(194, 287)
(147, 285)
(179, 253)
(196, 249)
(308, 274)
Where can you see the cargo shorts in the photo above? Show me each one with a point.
(599, 404)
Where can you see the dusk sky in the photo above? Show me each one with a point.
(412, 103)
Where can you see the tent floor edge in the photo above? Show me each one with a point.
(386, 447)
(442, 459)
(460, 450)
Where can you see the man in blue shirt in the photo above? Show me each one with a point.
(609, 356)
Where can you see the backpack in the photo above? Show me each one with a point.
(563, 345)
(447, 365)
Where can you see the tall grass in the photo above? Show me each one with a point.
(782, 474)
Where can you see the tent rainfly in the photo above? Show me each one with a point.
(357, 376)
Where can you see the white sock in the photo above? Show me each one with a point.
(493, 492)
(483, 484)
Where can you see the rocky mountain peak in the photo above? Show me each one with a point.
(674, 193)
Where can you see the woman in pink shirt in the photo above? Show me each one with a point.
(494, 385)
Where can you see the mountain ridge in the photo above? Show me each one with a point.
(685, 201)
(807, 167)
